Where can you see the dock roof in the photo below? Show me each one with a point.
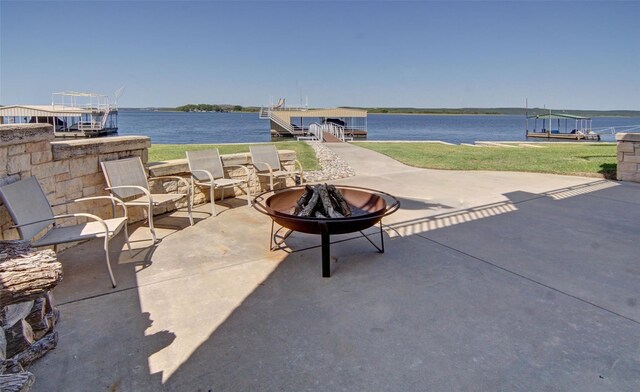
(319, 113)
(42, 111)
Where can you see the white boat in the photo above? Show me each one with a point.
(72, 114)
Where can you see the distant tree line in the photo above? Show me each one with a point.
(499, 111)
(203, 107)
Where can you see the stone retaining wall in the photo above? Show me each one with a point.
(180, 167)
(70, 169)
(628, 148)
(66, 170)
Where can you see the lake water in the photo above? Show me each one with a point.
(205, 128)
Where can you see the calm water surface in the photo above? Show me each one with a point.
(201, 128)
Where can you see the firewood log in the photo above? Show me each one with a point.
(20, 382)
(19, 337)
(311, 205)
(326, 202)
(40, 320)
(26, 273)
(11, 366)
(303, 200)
(335, 194)
(37, 349)
(37, 314)
(3, 347)
(12, 313)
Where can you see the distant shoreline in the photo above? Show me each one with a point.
(453, 112)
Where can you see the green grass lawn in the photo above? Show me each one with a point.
(166, 152)
(594, 159)
(559, 158)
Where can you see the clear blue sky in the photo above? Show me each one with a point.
(566, 55)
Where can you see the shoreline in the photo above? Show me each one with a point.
(369, 113)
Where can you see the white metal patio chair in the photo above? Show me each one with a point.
(31, 213)
(266, 162)
(207, 170)
(127, 180)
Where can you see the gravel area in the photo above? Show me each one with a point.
(333, 167)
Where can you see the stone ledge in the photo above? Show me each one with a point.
(98, 146)
(11, 134)
(177, 166)
(628, 137)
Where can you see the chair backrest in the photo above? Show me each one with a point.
(208, 160)
(266, 153)
(124, 172)
(26, 202)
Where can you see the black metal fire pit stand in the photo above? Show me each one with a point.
(326, 251)
(325, 244)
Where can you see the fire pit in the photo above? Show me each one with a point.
(368, 207)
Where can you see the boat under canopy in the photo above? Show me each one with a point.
(561, 126)
(296, 122)
(72, 114)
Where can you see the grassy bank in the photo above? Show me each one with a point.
(593, 160)
(561, 158)
(165, 152)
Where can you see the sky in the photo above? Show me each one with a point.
(561, 54)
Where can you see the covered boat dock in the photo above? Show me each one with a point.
(72, 114)
(295, 122)
(560, 126)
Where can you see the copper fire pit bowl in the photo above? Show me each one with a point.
(368, 207)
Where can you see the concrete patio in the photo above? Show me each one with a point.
(490, 281)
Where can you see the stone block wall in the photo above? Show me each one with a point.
(66, 170)
(628, 151)
(180, 167)
(70, 169)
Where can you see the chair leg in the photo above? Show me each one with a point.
(150, 219)
(271, 183)
(189, 204)
(126, 237)
(248, 195)
(106, 255)
(193, 192)
(213, 201)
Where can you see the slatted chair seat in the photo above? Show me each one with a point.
(80, 232)
(32, 214)
(207, 170)
(127, 180)
(266, 162)
(157, 199)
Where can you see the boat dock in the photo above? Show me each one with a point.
(300, 122)
(561, 126)
(72, 114)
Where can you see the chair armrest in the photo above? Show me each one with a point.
(85, 215)
(143, 189)
(75, 215)
(268, 166)
(246, 171)
(207, 172)
(297, 162)
(115, 200)
(112, 198)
